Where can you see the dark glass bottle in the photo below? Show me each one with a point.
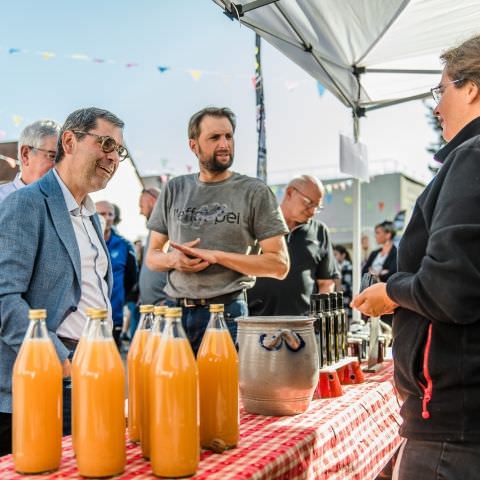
(325, 309)
(336, 325)
(320, 329)
(343, 325)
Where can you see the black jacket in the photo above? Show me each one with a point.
(390, 263)
(437, 327)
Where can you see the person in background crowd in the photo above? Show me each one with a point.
(152, 283)
(313, 267)
(132, 313)
(382, 263)
(346, 271)
(434, 295)
(37, 147)
(215, 220)
(365, 252)
(52, 255)
(124, 265)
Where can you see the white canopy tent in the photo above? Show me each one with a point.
(368, 53)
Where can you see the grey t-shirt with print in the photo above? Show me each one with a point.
(232, 216)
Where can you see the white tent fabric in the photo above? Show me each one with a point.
(330, 38)
(368, 53)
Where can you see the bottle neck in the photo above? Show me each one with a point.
(146, 321)
(217, 321)
(158, 324)
(99, 329)
(37, 330)
(173, 328)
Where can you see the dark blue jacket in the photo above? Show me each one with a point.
(124, 266)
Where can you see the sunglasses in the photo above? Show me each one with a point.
(107, 144)
(308, 202)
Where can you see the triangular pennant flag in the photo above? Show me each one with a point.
(320, 89)
(196, 74)
(130, 65)
(47, 55)
(3, 134)
(17, 120)
(189, 168)
(163, 69)
(254, 82)
(14, 50)
(79, 56)
(99, 60)
(291, 85)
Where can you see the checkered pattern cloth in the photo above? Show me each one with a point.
(350, 437)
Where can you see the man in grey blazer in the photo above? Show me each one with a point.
(52, 252)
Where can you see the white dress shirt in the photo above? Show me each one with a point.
(94, 264)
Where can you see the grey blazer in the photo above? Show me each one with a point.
(39, 268)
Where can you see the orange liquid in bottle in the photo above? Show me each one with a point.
(151, 346)
(98, 398)
(37, 408)
(217, 362)
(175, 448)
(75, 362)
(134, 383)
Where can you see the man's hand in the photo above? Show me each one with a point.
(189, 250)
(67, 368)
(185, 257)
(374, 301)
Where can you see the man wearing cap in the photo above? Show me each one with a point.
(37, 147)
(53, 255)
(214, 222)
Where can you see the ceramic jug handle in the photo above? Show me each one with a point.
(271, 342)
(293, 341)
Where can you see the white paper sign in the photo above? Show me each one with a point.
(353, 158)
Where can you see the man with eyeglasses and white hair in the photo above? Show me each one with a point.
(313, 266)
(37, 147)
(53, 255)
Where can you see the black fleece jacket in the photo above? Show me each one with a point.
(438, 289)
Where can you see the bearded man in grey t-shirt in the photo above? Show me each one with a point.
(223, 229)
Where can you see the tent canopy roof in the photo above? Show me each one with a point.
(352, 46)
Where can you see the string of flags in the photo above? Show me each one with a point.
(195, 74)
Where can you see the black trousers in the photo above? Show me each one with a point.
(5, 433)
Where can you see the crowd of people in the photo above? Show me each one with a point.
(221, 237)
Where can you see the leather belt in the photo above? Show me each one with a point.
(70, 343)
(204, 302)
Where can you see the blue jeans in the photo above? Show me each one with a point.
(425, 460)
(195, 320)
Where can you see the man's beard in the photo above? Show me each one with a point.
(213, 166)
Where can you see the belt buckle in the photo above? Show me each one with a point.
(188, 303)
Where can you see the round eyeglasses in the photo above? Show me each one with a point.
(437, 91)
(107, 144)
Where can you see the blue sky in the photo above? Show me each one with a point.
(302, 127)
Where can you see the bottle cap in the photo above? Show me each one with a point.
(160, 309)
(96, 312)
(216, 307)
(37, 314)
(174, 312)
(146, 308)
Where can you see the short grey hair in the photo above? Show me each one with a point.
(85, 119)
(196, 119)
(34, 134)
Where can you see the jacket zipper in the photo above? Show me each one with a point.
(427, 389)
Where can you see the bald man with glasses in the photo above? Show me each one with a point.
(313, 266)
(37, 148)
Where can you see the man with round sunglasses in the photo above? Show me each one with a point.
(53, 254)
(37, 148)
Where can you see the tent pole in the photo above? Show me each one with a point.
(356, 234)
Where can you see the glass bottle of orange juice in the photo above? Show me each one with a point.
(37, 401)
(150, 348)
(98, 389)
(174, 435)
(217, 362)
(75, 362)
(133, 366)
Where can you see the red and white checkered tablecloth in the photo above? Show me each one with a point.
(351, 437)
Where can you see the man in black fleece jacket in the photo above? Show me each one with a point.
(435, 296)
